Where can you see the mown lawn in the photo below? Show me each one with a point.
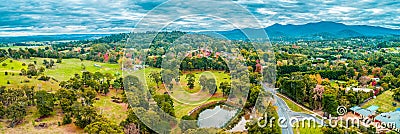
(384, 101)
(293, 106)
(220, 76)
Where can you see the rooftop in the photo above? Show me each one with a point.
(391, 117)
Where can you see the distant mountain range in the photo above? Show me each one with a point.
(60, 37)
(310, 31)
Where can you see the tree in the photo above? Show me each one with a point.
(23, 71)
(132, 122)
(41, 69)
(330, 104)
(32, 70)
(385, 86)
(167, 77)
(253, 95)
(155, 77)
(84, 115)
(364, 80)
(116, 85)
(16, 112)
(44, 102)
(103, 127)
(317, 97)
(59, 60)
(396, 72)
(105, 88)
(269, 121)
(396, 94)
(211, 86)
(2, 110)
(343, 77)
(30, 95)
(388, 68)
(225, 87)
(67, 119)
(166, 103)
(202, 81)
(190, 79)
(88, 96)
(66, 98)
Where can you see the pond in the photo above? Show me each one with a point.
(216, 117)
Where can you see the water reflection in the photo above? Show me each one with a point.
(216, 117)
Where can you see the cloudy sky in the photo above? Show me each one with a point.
(33, 17)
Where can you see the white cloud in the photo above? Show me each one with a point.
(265, 11)
(91, 16)
(376, 11)
(340, 9)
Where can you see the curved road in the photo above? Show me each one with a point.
(284, 112)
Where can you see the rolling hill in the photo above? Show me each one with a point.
(310, 31)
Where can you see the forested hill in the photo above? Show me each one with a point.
(311, 31)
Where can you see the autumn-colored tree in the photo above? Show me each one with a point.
(318, 92)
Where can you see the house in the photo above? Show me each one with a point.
(137, 67)
(376, 79)
(97, 65)
(365, 113)
(389, 120)
(367, 90)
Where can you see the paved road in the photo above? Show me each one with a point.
(287, 114)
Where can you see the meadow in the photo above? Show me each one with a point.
(61, 71)
(384, 101)
(69, 67)
(13, 68)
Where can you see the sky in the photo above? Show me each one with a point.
(43, 17)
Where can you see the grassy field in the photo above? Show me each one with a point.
(293, 106)
(113, 111)
(61, 72)
(23, 47)
(68, 67)
(304, 127)
(220, 76)
(52, 122)
(16, 81)
(384, 101)
(183, 109)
